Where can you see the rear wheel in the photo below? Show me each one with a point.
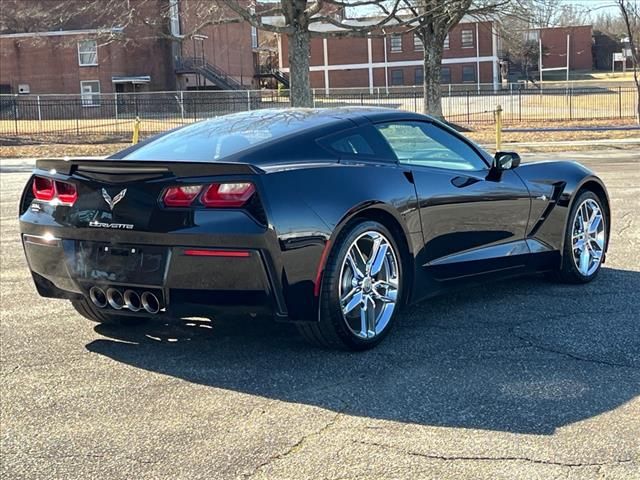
(361, 289)
(585, 240)
(85, 308)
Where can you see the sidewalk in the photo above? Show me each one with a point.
(618, 142)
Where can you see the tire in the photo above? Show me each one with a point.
(380, 290)
(85, 308)
(577, 266)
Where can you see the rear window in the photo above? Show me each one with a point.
(221, 137)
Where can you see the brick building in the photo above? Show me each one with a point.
(470, 56)
(554, 46)
(79, 56)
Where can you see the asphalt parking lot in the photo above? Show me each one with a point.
(525, 379)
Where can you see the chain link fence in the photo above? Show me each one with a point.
(110, 117)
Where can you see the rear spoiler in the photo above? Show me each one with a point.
(117, 170)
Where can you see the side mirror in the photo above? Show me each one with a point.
(506, 160)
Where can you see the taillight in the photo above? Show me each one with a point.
(181, 196)
(44, 188)
(215, 195)
(50, 190)
(67, 193)
(227, 194)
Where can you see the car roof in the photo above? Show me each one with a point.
(285, 125)
(316, 116)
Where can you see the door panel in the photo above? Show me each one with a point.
(462, 208)
(465, 212)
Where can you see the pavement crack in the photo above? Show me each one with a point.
(498, 458)
(298, 445)
(546, 348)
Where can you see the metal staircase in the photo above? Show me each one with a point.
(263, 71)
(215, 75)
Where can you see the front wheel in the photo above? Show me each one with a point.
(585, 240)
(361, 289)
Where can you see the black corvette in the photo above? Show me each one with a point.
(332, 219)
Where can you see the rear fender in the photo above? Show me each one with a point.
(306, 216)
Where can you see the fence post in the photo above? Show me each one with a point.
(415, 100)
(468, 109)
(136, 132)
(195, 108)
(571, 106)
(620, 101)
(39, 110)
(248, 99)
(498, 118)
(520, 104)
(182, 104)
(313, 95)
(115, 105)
(15, 113)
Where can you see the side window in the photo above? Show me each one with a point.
(426, 144)
(352, 144)
(357, 143)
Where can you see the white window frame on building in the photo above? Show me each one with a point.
(417, 43)
(87, 57)
(392, 79)
(395, 43)
(532, 35)
(90, 93)
(469, 37)
(446, 42)
(418, 76)
(474, 72)
(254, 37)
(448, 75)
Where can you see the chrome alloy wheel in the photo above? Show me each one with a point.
(369, 284)
(588, 237)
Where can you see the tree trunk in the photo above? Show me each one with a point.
(299, 49)
(432, 89)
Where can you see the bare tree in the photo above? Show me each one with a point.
(610, 24)
(551, 13)
(431, 22)
(295, 20)
(630, 12)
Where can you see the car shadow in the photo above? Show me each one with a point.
(528, 356)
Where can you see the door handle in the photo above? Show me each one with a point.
(463, 181)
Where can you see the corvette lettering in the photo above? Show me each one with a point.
(117, 226)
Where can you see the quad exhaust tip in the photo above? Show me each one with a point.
(150, 302)
(115, 298)
(130, 299)
(98, 297)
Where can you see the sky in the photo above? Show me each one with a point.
(596, 6)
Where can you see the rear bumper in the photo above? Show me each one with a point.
(190, 283)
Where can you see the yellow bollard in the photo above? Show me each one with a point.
(136, 131)
(498, 116)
